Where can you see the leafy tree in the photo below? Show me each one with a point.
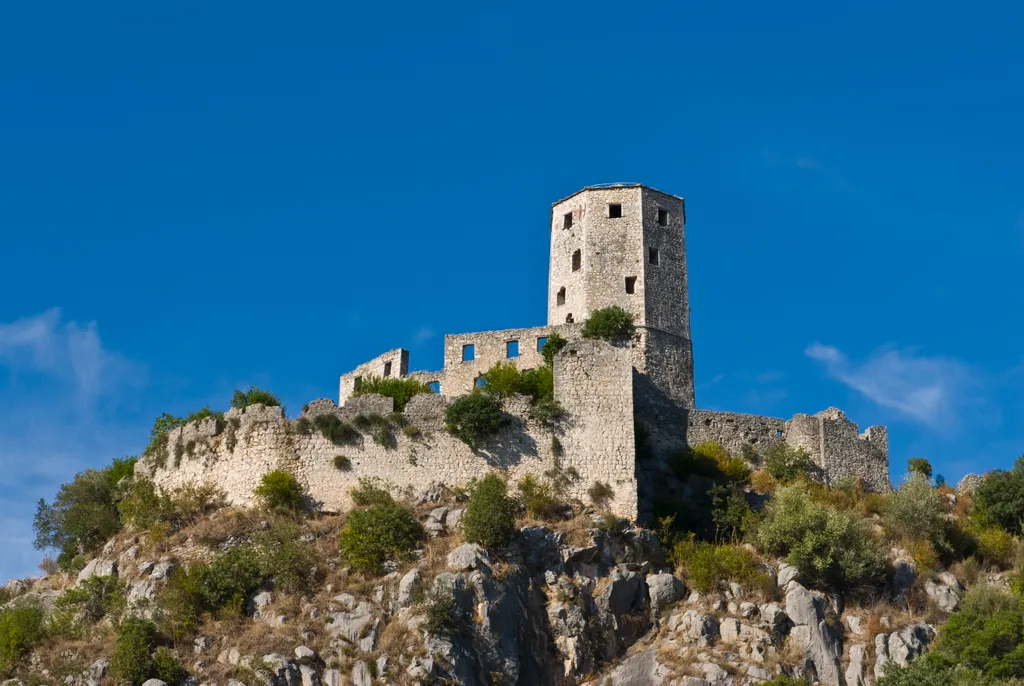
(473, 418)
(490, 517)
(84, 513)
(999, 499)
(22, 626)
(552, 345)
(378, 534)
(920, 465)
(785, 463)
(280, 489)
(916, 511)
(609, 323)
(401, 390)
(136, 658)
(729, 511)
(254, 396)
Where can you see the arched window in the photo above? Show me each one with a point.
(560, 298)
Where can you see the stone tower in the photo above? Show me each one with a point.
(625, 245)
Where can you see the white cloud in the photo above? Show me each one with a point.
(930, 390)
(423, 334)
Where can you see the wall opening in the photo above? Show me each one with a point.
(577, 261)
(434, 386)
(652, 254)
(630, 284)
(567, 220)
(480, 382)
(468, 352)
(569, 319)
(357, 382)
(662, 217)
(387, 369)
(512, 349)
(540, 343)
(560, 298)
(614, 210)
(778, 434)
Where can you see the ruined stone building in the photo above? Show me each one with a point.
(623, 245)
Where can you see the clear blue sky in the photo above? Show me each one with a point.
(199, 196)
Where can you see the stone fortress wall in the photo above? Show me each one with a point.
(623, 245)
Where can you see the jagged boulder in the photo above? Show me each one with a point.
(811, 632)
(663, 590)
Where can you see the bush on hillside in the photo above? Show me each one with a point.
(538, 497)
(134, 660)
(22, 626)
(916, 511)
(552, 345)
(830, 547)
(999, 499)
(711, 460)
(95, 598)
(336, 431)
(144, 505)
(402, 390)
(254, 396)
(504, 379)
(610, 324)
(371, 492)
(378, 534)
(473, 418)
(785, 463)
(919, 465)
(84, 513)
(490, 517)
(377, 426)
(706, 566)
(280, 489)
(730, 512)
(996, 547)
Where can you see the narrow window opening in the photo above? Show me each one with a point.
(435, 387)
(480, 382)
(577, 260)
(560, 298)
(614, 210)
(630, 284)
(357, 383)
(567, 220)
(653, 254)
(468, 353)
(387, 369)
(662, 217)
(540, 343)
(512, 349)
(569, 319)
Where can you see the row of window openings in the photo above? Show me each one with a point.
(615, 212)
(653, 256)
(630, 290)
(511, 349)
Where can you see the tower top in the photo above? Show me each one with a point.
(612, 186)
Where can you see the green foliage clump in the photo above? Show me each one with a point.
(999, 499)
(371, 492)
(97, 597)
(538, 497)
(473, 418)
(996, 546)
(504, 379)
(280, 489)
(730, 512)
(600, 494)
(144, 505)
(336, 431)
(706, 566)
(490, 517)
(710, 459)
(609, 323)
(442, 614)
(916, 511)
(547, 411)
(829, 546)
(786, 680)
(22, 626)
(254, 396)
(378, 534)
(920, 465)
(552, 345)
(785, 463)
(342, 463)
(401, 390)
(84, 513)
(377, 426)
(136, 658)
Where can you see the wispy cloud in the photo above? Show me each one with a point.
(423, 334)
(930, 390)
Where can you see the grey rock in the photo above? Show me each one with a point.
(909, 642)
(163, 569)
(408, 586)
(812, 633)
(309, 676)
(641, 669)
(304, 652)
(259, 602)
(969, 483)
(286, 672)
(361, 675)
(332, 677)
(452, 519)
(145, 567)
(787, 573)
(200, 644)
(748, 610)
(469, 556)
(730, 629)
(663, 590)
(154, 682)
(98, 567)
(855, 670)
(945, 598)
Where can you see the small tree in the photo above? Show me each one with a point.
(999, 499)
(132, 662)
(610, 324)
(22, 626)
(280, 489)
(254, 396)
(473, 418)
(552, 345)
(378, 534)
(490, 517)
(785, 463)
(919, 465)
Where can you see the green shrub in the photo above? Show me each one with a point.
(371, 492)
(473, 418)
(167, 667)
(157, 447)
(999, 499)
(22, 626)
(401, 390)
(504, 380)
(144, 505)
(786, 680)
(918, 511)
(706, 566)
(827, 545)
(254, 396)
(303, 426)
(610, 323)
(95, 598)
(600, 494)
(183, 601)
(377, 426)
(730, 512)
(538, 497)
(84, 513)
(441, 613)
(378, 534)
(996, 546)
(336, 431)
(412, 432)
(919, 465)
(342, 463)
(490, 517)
(280, 489)
(552, 345)
(230, 579)
(711, 460)
(132, 661)
(786, 463)
(547, 411)
(283, 559)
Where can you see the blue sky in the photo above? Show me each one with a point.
(200, 196)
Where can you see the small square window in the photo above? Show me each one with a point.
(567, 220)
(614, 210)
(468, 353)
(630, 284)
(577, 261)
(653, 255)
(560, 296)
(481, 382)
(540, 343)
(512, 349)
(662, 217)
(387, 369)
(434, 386)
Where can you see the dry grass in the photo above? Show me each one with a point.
(577, 531)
